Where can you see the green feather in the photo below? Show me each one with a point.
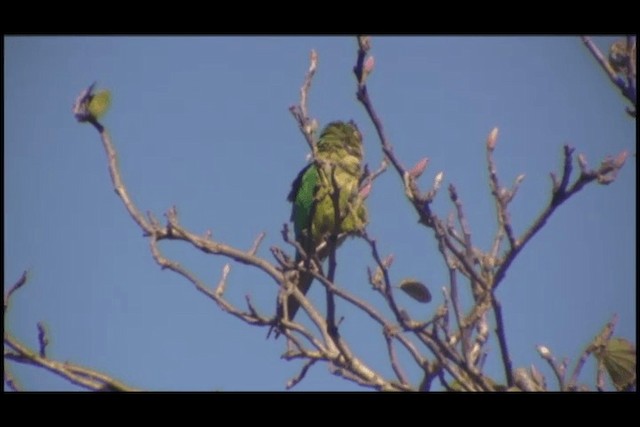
(339, 154)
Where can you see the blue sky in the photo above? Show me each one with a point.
(203, 123)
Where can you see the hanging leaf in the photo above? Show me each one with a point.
(619, 359)
(416, 290)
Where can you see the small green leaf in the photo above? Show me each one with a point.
(416, 290)
(619, 359)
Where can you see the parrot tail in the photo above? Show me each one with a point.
(304, 283)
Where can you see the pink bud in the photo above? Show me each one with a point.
(491, 140)
(621, 158)
(582, 161)
(366, 190)
(388, 261)
(417, 170)
(368, 65)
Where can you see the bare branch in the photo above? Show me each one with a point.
(78, 375)
(43, 340)
(18, 352)
(558, 369)
(395, 364)
(118, 184)
(628, 87)
(256, 244)
(502, 340)
(300, 112)
(200, 286)
(21, 281)
(597, 344)
(295, 380)
(455, 303)
(10, 381)
(561, 191)
(364, 44)
(501, 196)
(223, 280)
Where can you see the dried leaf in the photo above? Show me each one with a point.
(416, 290)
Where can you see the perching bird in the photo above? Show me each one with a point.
(339, 153)
(90, 106)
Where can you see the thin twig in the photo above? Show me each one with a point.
(19, 283)
(395, 364)
(300, 112)
(118, 184)
(10, 381)
(561, 191)
(455, 302)
(500, 195)
(78, 375)
(222, 283)
(598, 342)
(627, 88)
(502, 341)
(558, 369)
(43, 340)
(256, 244)
(295, 380)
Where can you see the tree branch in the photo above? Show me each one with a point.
(76, 374)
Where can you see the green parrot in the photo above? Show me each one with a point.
(339, 149)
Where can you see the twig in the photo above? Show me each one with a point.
(502, 340)
(627, 88)
(501, 196)
(388, 336)
(368, 177)
(116, 179)
(43, 340)
(558, 370)
(87, 378)
(371, 312)
(420, 203)
(468, 246)
(454, 364)
(300, 112)
(455, 303)
(222, 283)
(256, 244)
(452, 230)
(598, 342)
(20, 353)
(561, 191)
(295, 380)
(200, 286)
(387, 288)
(364, 44)
(10, 381)
(19, 283)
